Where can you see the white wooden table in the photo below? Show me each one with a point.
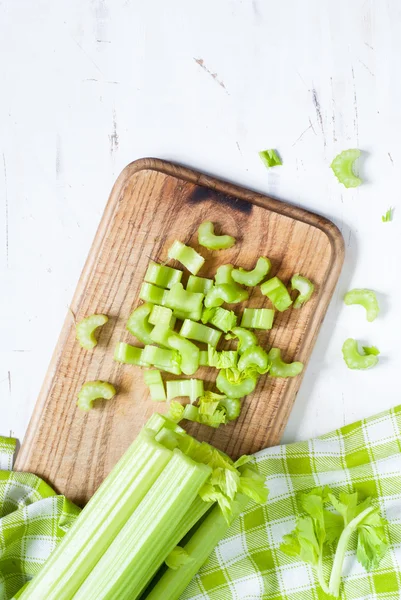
(90, 85)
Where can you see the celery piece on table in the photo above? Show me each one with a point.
(354, 359)
(187, 256)
(342, 167)
(277, 293)
(154, 381)
(94, 390)
(162, 276)
(246, 338)
(189, 353)
(220, 317)
(270, 158)
(304, 287)
(255, 276)
(200, 333)
(138, 323)
(129, 355)
(210, 240)
(180, 388)
(199, 284)
(279, 368)
(181, 300)
(85, 330)
(365, 298)
(257, 318)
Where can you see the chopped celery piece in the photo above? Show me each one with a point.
(195, 315)
(175, 411)
(342, 166)
(255, 276)
(270, 158)
(254, 358)
(138, 323)
(162, 358)
(182, 388)
(179, 299)
(257, 318)
(225, 292)
(235, 389)
(199, 284)
(200, 333)
(355, 360)
(232, 406)
(304, 287)
(129, 355)
(189, 353)
(367, 299)
(208, 239)
(100, 521)
(210, 413)
(191, 412)
(200, 545)
(371, 350)
(161, 334)
(177, 558)
(224, 275)
(187, 256)
(162, 314)
(388, 216)
(162, 276)
(168, 438)
(153, 294)
(94, 390)
(148, 536)
(227, 359)
(246, 338)
(85, 330)
(154, 381)
(279, 368)
(157, 422)
(277, 293)
(220, 317)
(204, 358)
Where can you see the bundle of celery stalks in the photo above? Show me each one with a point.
(159, 514)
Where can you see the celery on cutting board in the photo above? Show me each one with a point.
(125, 568)
(101, 520)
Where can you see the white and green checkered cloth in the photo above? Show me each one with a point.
(33, 519)
(248, 563)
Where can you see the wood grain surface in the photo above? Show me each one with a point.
(152, 203)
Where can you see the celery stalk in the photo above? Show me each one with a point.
(128, 563)
(200, 545)
(100, 521)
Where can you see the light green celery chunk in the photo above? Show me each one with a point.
(254, 358)
(367, 299)
(175, 411)
(138, 323)
(188, 351)
(94, 390)
(199, 284)
(154, 381)
(181, 300)
(162, 314)
(246, 338)
(162, 358)
(255, 276)
(195, 315)
(200, 545)
(232, 406)
(277, 293)
(191, 412)
(187, 256)
(388, 216)
(161, 334)
(86, 329)
(180, 388)
(354, 360)
(304, 287)
(161, 275)
(220, 317)
(204, 358)
(371, 350)
(148, 536)
(153, 294)
(225, 292)
(270, 158)
(279, 368)
(226, 359)
(342, 166)
(200, 333)
(100, 521)
(224, 275)
(257, 318)
(129, 355)
(235, 389)
(210, 240)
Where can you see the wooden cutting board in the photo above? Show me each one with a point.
(152, 203)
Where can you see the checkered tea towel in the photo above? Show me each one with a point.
(33, 519)
(248, 563)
